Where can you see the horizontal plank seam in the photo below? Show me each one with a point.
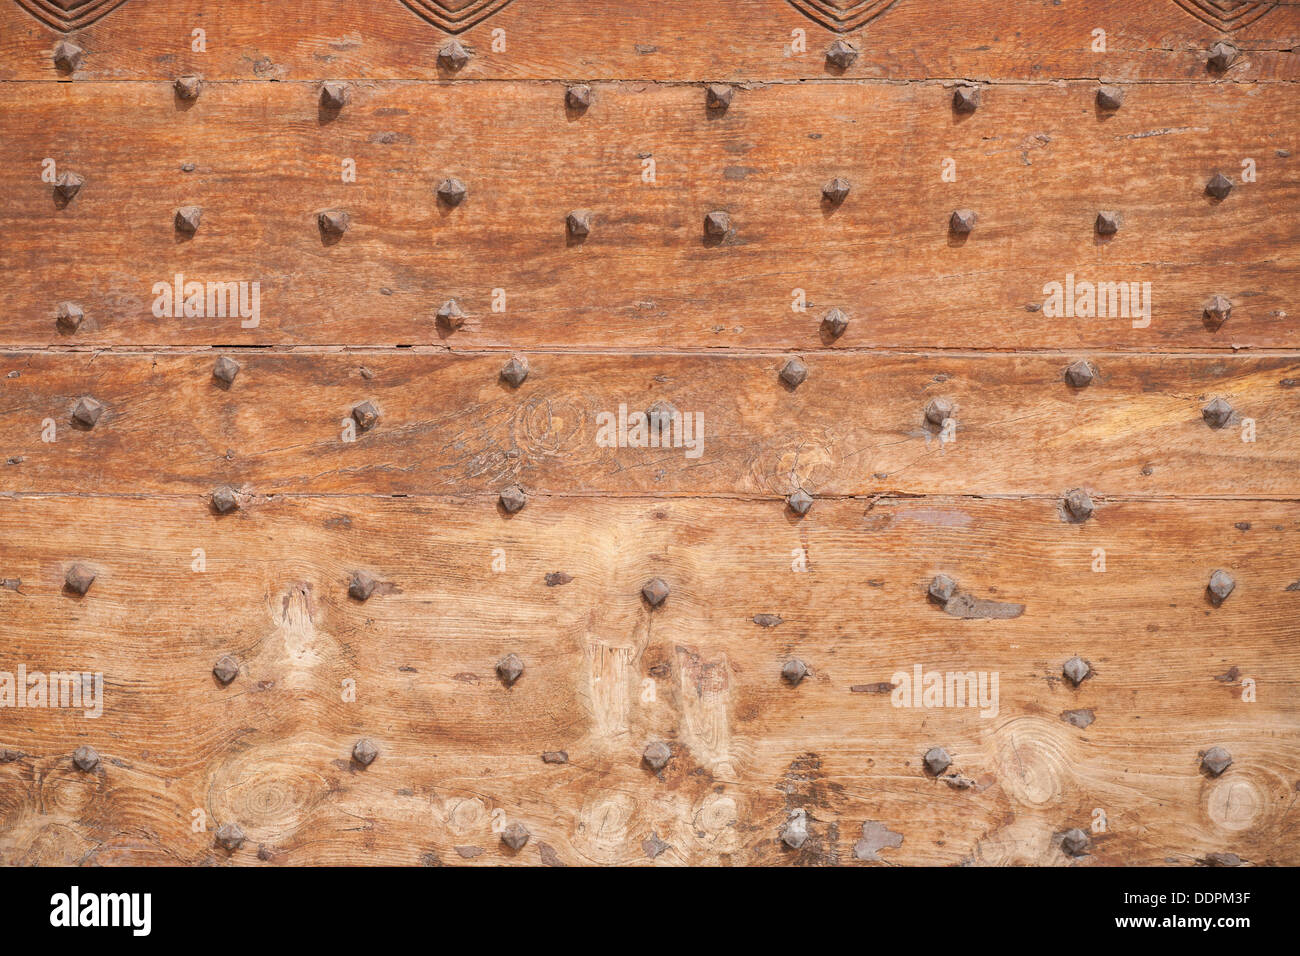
(869, 498)
(711, 352)
(699, 83)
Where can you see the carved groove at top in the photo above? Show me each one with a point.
(455, 16)
(68, 15)
(1227, 15)
(842, 15)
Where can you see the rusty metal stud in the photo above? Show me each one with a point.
(452, 191)
(1079, 374)
(69, 316)
(937, 760)
(578, 96)
(941, 589)
(1216, 760)
(515, 836)
(366, 415)
(361, 585)
(364, 751)
(794, 670)
(800, 502)
(1107, 223)
(1220, 586)
(87, 411)
(333, 222)
(1219, 186)
(1074, 842)
(966, 99)
(1217, 310)
(717, 223)
(961, 222)
(655, 591)
(793, 372)
(79, 578)
(226, 669)
(187, 219)
(451, 315)
(718, 96)
(938, 411)
(188, 87)
(453, 56)
(656, 755)
(1222, 56)
(68, 185)
(1077, 504)
(85, 758)
(224, 500)
(509, 669)
(836, 191)
(68, 56)
(1217, 413)
(230, 836)
(333, 95)
(1110, 97)
(1076, 669)
(795, 832)
(225, 370)
(834, 323)
(661, 415)
(578, 223)
(516, 370)
(841, 54)
(513, 498)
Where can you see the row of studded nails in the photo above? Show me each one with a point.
(334, 223)
(578, 97)
(452, 56)
(69, 57)
(362, 586)
(657, 755)
(1077, 503)
(1078, 374)
(842, 54)
(69, 317)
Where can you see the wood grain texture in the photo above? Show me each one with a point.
(270, 751)
(1036, 163)
(448, 425)
(662, 40)
(649, 310)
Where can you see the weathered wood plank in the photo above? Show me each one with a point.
(649, 310)
(1036, 163)
(270, 751)
(662, 40)
(449, 425)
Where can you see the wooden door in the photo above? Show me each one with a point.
(337, 344)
